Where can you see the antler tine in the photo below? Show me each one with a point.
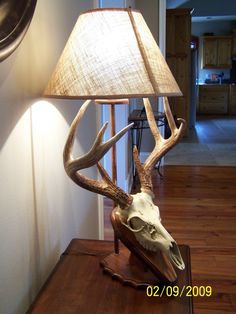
(151, 120)
(72, 166)
(171, 122)
(98, 149)
(162, 146)
(67, 154)
(169, 116)
(145, 181)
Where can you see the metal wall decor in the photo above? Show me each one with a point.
(15, 17)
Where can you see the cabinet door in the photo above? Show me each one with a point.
(213, 99)
(224, 53)
(209, 57)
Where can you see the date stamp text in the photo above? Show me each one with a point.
(176, 291)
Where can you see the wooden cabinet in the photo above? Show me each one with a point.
(178, 56)
(209, 54)
(224, 52)
(216, 52)
(232, 99)
(213, 99)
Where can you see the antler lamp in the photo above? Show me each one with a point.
(112, 54)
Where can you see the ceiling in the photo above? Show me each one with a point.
(207, 10)
(214, 18)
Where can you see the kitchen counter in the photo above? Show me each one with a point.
(213, 84)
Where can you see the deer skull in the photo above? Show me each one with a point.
(143, 219)
(137, 212)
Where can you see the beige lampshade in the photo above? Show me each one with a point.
(111, 53)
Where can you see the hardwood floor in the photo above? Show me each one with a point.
(198, 206)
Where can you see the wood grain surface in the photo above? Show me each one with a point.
(78, 285)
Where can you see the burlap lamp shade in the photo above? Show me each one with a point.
(111, 53)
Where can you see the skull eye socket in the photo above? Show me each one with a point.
(136, 223)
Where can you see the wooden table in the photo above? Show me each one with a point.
(78, 285)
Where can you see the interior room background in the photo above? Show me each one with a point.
(41, 209)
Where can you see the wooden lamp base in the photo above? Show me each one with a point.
(134, 265)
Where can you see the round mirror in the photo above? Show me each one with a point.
(15, 17)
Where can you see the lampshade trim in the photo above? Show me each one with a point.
(110, 9)
(110, 97)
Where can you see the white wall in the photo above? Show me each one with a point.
(41, 209)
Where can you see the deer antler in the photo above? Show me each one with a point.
(72, 166)
(162, 146)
